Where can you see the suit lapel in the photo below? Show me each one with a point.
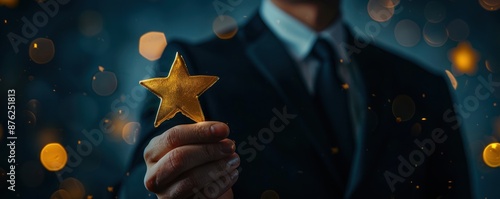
(275, 64)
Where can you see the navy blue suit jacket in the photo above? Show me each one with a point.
(280, 137)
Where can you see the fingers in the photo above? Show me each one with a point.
(202, 132)
(184, 158)
(187, 157)
(210, 181)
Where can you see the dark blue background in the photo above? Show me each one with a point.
(73, 107)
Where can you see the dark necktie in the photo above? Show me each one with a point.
(332, 103)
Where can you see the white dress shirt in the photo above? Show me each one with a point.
(299, 39)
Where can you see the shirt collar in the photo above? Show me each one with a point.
(297, 37)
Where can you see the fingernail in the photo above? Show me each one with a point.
(228, 147)
(234, 174)
(234, 161)
(219, 130)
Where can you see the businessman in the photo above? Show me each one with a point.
(300, 111)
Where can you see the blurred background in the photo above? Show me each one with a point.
(75, 67)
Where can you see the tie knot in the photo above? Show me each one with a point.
(323, 51)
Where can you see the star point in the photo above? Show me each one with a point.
(179, 92)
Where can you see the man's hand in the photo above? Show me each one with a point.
(194, 160)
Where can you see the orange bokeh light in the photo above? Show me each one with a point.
(225, 27)
(42, 50)
(152, 44)
(130, 132)
(381, 10)
(490, 5)
(53, 157)
(464, 58)
(491, 155)
(9, 3)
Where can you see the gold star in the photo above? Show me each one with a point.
(179, 92)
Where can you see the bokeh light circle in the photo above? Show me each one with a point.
(464, 58)
(90, 23)
(492, 65)
(104, 83)
(33, 105)
(380, 10)
(435, 11)
(152, 44)
(225, 27)
(74, 187)
(130, 132)
(458, 30)
(490, 5)
(407, 33)
(41, 50)
(28, 118)
(61, 194)
(403, 107)
(53, 157)
(435, 34)
(491, 155)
